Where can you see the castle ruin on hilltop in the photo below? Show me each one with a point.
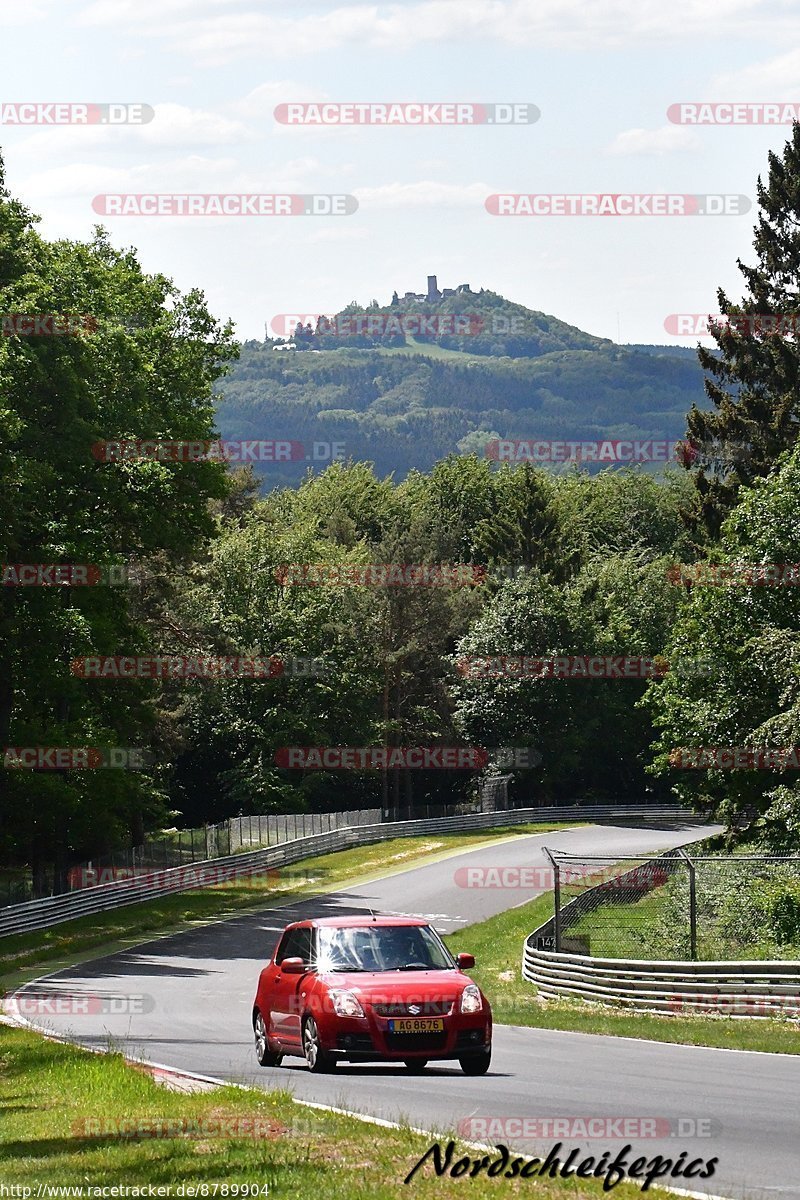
(433, 293)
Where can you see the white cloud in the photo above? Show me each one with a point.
(174, 126)
(773, 79)
(203, 30)
(669, 139)
(337, 233)
(262, 100)
(425, 194)
(21, 14)
(194, 173)
(147, 12)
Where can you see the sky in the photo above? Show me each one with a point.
(602, 74)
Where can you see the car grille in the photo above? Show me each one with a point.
(416, 1041)
(425, 1008)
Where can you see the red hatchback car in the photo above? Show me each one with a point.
(367, 989)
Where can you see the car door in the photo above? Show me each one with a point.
(286, 1000)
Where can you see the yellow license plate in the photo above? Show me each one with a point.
(416, 1025)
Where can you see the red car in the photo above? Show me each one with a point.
(366, 989)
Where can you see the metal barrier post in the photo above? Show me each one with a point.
(692, 904)
(556, 900)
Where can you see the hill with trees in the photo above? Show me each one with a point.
(402, 387)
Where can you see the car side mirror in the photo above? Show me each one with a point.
(293, 966)
(465, 961)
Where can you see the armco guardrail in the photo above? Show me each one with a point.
(54, 910)
(749, 988)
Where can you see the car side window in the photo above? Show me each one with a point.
(280, 953)
(295, 944)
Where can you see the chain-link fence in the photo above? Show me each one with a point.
(171, 848)
(274, 829)
(177, 848)
(676, 906)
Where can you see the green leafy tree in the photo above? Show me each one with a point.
(591, 734)
(753, 376)
(142, 366)
(523, 529)
(751, 637)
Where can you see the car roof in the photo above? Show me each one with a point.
(355, 922)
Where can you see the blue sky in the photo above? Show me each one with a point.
(603, 74)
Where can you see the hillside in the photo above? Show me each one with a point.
(404, 400)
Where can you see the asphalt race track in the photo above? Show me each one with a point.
(199, 988)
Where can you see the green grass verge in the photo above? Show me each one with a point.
(429, 350)
(23, 955)
(619, 930)
(497, 946)
(56, 1099)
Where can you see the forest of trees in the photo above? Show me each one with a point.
(404, 411)
(576, 564)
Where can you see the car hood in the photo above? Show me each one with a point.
(387, 987)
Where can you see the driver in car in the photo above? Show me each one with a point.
(407, 947)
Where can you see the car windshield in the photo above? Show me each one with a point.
(381, 948)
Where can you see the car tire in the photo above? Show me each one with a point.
(318, 1060)
(266, 1058)
(476, 1064)
(415, 1065)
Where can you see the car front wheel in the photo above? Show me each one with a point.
(318, 1061)
(476, 1064)
(263, 1053)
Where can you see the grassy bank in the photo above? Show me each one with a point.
(64, 1111)
(497, 946)
(22, 955)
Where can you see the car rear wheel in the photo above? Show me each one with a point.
(476, 1064)
(318, 1061)
(415, 1065)
(265, 1056)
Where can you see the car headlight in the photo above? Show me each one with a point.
(346, 1004)
(471, 999)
